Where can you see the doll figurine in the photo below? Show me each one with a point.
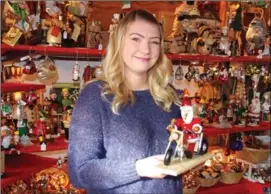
(266, 108)
(31, 98)
(115, 21)
(66, 101)
(5, 134)
(202, 108)
(256, 33)
(54, 35)
(211, 113)
(239, 112)
(223, 75)
(224, 44)
(254, 111)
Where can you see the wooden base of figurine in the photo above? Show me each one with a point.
(178, 167)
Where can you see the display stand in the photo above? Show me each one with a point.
(178, 167)
(251, 166)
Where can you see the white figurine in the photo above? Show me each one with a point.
(254, 111)
(266, 108)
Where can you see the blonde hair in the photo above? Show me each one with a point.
(113, 68)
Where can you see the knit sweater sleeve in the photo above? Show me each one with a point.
(88, 165)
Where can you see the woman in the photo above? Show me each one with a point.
(119, 124)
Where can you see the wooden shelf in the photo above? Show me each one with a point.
(208, 131)
(87, 52)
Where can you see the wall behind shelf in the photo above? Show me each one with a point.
(65, 67)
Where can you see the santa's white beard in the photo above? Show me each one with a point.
(187, 114)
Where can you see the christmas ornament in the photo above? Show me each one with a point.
(88, 73)
(178, 73)
(76, 72)
(47, 70)
(223, 75)
(190, 74)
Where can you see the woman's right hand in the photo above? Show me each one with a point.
(148, 167)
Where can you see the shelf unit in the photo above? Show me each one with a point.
(209, 131)
(87, 52)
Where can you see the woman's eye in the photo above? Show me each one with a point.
(155, 42)
(136, 39)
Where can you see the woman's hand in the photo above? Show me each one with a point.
(148, 167)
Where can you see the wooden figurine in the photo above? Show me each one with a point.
(187, 133)
(266, 108)
(77, 14)
(54, 35)
(254, 111)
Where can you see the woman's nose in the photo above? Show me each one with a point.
(145, 47)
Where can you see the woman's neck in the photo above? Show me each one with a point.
(137, 83)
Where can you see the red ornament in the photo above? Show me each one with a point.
(227, 152)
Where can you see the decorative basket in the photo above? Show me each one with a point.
(254, 156)
(208, 182)
(231, 177)
(191, 191)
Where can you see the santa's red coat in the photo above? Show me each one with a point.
(186, 128)
(40, 128)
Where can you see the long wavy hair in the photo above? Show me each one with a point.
(158, 76)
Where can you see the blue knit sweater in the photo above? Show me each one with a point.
(103, 147)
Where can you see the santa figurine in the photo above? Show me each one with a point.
(191, 127)
(31, 97)
(223, 75)
(254, 111)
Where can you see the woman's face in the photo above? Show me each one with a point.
(141, 47)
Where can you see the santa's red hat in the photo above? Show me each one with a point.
(186, 101)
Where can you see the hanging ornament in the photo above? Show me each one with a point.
(190, 74)
(30, 67)
(76, 72)
(223, 75)
(88, 73)
(197, 75)
(179, 73)
(98, 72)
(47, 70)
(249, 70)
(267, 78)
